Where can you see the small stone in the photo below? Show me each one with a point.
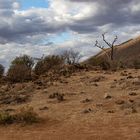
(45, 91)
(87, 110)
(107, 96)
(120, 102)
(86, 100)
(95, 84)
(110, 111)
(134, 110)
(44, 108)
(131, 101)
(129, 77)
(132, 93)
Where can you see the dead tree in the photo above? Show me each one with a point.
(110, 45)
(71, 57)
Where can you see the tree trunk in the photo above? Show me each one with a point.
(112, 53)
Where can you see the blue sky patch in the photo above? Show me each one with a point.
(27, 4)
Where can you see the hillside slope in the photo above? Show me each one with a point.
(127, 52)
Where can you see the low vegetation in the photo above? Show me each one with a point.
(20, 69)
(23, 68)
(24, 116)
(105, 64)
(136, 64)
(49, 63)
(1, 70)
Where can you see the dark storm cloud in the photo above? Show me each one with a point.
(20, 27)
(116, 12)
(16, 27)
(6, 8)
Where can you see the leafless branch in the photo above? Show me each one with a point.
(115, 39)
(99, 46)
(110, 45)
(103, 35)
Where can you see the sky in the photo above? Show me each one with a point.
(37, 27)
(26, 4)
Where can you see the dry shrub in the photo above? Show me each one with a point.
(6, 118)
(71, 57)
(27, 116)
(136, 64)
(50, 63)
(20, 69)
(106, 64)
(24, 116)
(103, 63)
(24, 60)
(19, 73)
(1, 70)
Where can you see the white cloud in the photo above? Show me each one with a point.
(22, 31)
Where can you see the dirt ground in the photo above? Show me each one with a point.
(97, 105)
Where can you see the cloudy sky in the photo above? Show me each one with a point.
(37, 27)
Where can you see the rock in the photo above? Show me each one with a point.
(125, 106)
(39, 83)
(45, 91)
(133, 94)
(131, 101)
(120, 102)
(58, 96)
(86, 100)
(123, 74)
(113, 86)
(5, 88)
(99, 105)
(130, 77)
(87, 110)
(134, 110)
(136, 83)
(107, 96)
(97, 79)
(111, 111)
(95, 84)
(44, 108)
(54, 95)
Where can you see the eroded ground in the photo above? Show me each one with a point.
(92, 105)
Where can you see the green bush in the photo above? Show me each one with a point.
(49, 63)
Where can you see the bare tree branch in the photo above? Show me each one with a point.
(109, 54)
(103, 35)
(115, 39)
(101, 47)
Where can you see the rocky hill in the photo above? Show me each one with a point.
(127, 52)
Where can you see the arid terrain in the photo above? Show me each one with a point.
(127, 53)
(89, 105)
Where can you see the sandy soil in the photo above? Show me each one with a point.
(98, 105)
